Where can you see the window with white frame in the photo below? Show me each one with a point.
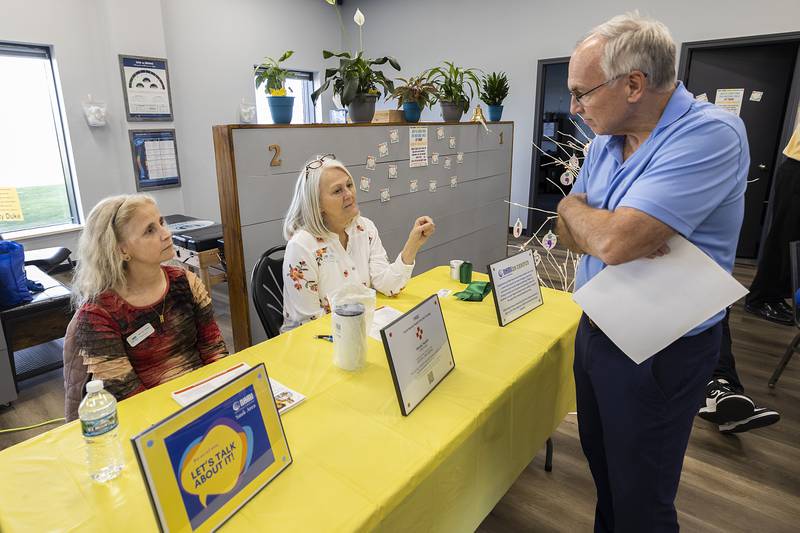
(35, 173)
(299, 84)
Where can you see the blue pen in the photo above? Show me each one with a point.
(328, 338)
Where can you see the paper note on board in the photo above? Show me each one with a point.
(730, 100)
(10, 209)
(417, 147)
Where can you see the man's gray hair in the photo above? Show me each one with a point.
(634, 42)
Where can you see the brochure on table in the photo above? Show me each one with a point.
(515, 287)
(419, 354)
(207, 460)
(285, 398)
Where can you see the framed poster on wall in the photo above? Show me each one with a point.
(145, 87)
(155, 159)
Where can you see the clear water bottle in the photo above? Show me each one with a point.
(98, 414)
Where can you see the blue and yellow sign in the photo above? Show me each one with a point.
(204, 462)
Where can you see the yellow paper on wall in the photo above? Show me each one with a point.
(10, 210)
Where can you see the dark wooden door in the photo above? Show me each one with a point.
(764, 68)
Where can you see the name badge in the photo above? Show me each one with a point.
(141, 334)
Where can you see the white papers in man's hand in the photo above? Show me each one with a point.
(647, 304)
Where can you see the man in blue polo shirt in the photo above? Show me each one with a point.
(662, 163)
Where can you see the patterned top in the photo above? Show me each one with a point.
(314, 268)
(187, 339)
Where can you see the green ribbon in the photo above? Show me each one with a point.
(475, 291)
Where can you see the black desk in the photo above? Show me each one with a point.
(196, 240)
(199, 249)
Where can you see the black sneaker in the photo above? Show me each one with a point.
(784, 307)
(724, 405)
(760, 418)
(772, 311)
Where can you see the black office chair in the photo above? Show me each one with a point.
(794, 346)
(266, 285)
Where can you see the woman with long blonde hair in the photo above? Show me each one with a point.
(139, 323)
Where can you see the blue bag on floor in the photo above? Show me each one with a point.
(13, 281)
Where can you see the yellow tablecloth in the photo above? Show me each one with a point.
(358, 463)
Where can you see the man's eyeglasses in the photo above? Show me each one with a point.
(316, 163)
(579, 96)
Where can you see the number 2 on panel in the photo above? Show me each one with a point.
(276, 157)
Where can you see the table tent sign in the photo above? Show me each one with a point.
(203, 463)
(515, 287)
(419, 354)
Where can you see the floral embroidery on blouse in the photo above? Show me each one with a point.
(319, 255)
(315, 267)
(297, 275)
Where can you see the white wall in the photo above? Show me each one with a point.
(512, 35)
(86, 36)
(212, 46)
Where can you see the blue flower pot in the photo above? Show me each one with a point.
(281, 108)
(495, 113)
(411, 111)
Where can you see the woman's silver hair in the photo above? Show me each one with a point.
(304, 211)
(634, 42)
(100, 262)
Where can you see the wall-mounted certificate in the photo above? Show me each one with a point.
(207, 460)
(145, 85)
(155, 159)
(515, 286)
(418, 350)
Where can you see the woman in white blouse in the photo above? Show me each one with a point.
(330, 244)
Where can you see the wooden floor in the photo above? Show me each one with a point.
(749, 482)
(731, 483)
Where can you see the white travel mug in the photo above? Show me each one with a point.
(349, 336)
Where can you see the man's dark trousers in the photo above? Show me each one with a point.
(634, 423)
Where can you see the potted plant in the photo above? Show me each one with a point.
(356, 83)
(270, 74)
(455, 87)
(414, 95)
(494, 89)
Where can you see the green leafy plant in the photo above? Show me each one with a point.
(270, 74)
(355, 76)
(455, 84)
(415, 89)
(494, 88)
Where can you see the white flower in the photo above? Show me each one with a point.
(358, 18)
